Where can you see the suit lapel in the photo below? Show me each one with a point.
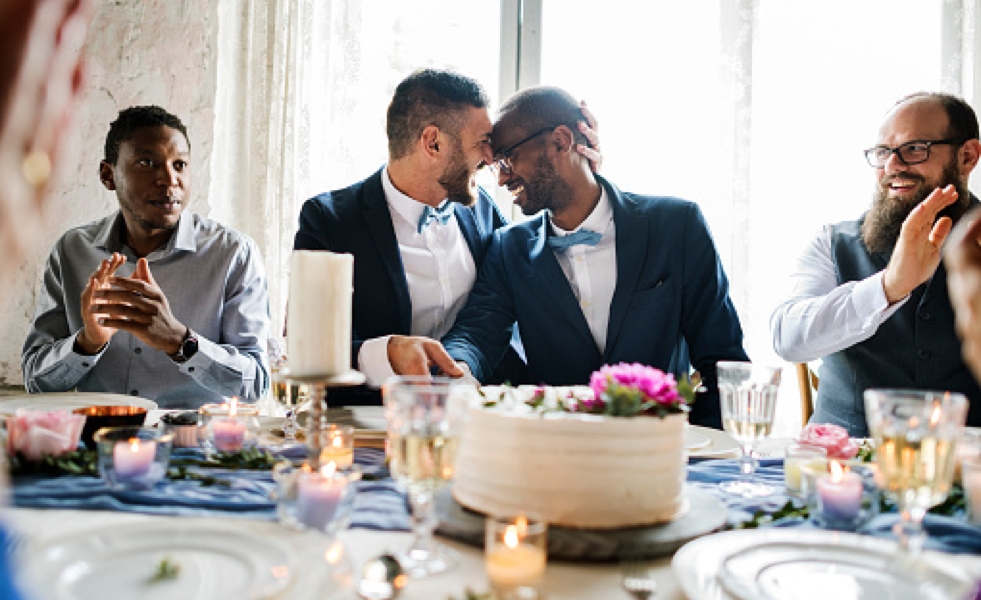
(545, 267)
(632, 233)
(468, 225)
(378, 221)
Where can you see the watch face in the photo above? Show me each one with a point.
(189, 348)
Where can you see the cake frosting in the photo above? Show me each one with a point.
(574, 470)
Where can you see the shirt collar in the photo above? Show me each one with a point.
(110, 236)
(407, 207)
(598, 220)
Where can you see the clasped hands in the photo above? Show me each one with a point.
(135, 304)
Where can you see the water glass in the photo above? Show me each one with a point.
(748, 397)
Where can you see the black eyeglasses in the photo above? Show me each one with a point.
(502, 162)
(910, 153)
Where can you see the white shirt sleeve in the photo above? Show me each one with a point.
(373, 361)
(821, 317)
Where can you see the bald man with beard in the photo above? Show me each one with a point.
(869, 297)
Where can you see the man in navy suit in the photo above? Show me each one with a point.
(600, 276)
(418, 228)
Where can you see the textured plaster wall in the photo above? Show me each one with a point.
(139, 52)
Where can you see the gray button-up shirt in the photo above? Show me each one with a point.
(215, 284)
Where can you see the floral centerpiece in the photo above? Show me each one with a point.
(833, 438)
(627, 390)
(36, 434)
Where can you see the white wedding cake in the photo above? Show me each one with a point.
(589, 471)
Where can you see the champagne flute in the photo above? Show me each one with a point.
(284, 392)
(748, 397)
(425, 416)
(915, 434)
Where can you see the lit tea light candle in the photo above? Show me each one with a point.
(318, 496)
(840, 494)
(228, 433)
(132, 459)
(338, 447)
(514, 559)
(799, 456)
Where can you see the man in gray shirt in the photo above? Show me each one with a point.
(151, 301)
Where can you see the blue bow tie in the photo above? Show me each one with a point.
(583, 236)
(430, 214)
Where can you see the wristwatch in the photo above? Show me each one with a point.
(187, 349)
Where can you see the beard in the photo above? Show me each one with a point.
(883, 222)
(459, 180)
(545, 189)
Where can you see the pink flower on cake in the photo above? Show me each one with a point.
(630, 389)
(832, 438)
(36, 434)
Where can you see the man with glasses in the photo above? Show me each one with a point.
(869, 297)
(418, 228)
(599, 276)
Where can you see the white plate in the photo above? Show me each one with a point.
(695, 440)
(721, 444)
(792, 570)
(216, 561)
(698, 563)
(70, 401)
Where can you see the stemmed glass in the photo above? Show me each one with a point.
(915, 434)
(425, 416)
(285, 393)
(748, 397)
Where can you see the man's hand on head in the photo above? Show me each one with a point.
(94, 334)
(137, 304)
(917, 253)
(590, 128)
(962, 257)
(416, 355)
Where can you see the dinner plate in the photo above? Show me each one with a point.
(695, 440)
(215, 561)
(792, 570)
(698, 564)
(721, 444)
(70, 401)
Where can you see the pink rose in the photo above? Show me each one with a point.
(37, 434)
(832, 438)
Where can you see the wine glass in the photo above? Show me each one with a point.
(748, 397)
(285, 393)
(425, 416)
(915, 433)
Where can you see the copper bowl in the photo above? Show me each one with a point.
(97, 417)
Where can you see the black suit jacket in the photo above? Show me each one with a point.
(356, 220)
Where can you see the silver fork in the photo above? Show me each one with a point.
(637, 579)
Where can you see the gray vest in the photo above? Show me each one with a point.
(917, 347)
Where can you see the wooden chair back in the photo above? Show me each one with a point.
(807, 382)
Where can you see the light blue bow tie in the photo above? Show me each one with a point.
(583, 236)
(430, 214)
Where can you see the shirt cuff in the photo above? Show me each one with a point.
(869, 297)
(373, 361)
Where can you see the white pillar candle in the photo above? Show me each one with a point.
(318, 324)
(132, 459)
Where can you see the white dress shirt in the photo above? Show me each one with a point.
(821, 317)
(592, 270)
(438, 268)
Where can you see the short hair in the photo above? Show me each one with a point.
(544, 106)
(134, 118)
(429, 97)
(962, 121)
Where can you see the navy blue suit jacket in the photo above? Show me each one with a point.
(356, 220)
(670, 309)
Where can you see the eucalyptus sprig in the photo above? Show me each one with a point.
(79, 462)
(762, 518)
(253, 459)
(166, 569)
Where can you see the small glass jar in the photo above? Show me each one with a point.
(798, 456)
(844, 501)
(515, 550)
(228, 428)
(133, 457)
(318, 500)
(337, 445)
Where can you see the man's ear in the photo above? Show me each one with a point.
(562, 139)
(107, 176)
(430, 140)
(969, 153)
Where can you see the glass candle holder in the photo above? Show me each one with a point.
(843, 497)
(971, 479)
(337, 446)
(132, 457)
(318, 500)
(797, 456)
(229, 427)
(515, 556)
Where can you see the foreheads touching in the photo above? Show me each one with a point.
(430, 97)
(533, 110)
(135, 118)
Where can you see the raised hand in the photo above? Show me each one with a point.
(94, 334)
(962, 257)
(590, 129)
(137, 305)
(416, 355)
(917, 253)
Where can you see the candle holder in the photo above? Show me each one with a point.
(801, 455)
(514, 556)
(971, 479)
(337, 445)
(319, 386)
(318, 500)
(132, 457)
(228, 428)
(844, 501)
